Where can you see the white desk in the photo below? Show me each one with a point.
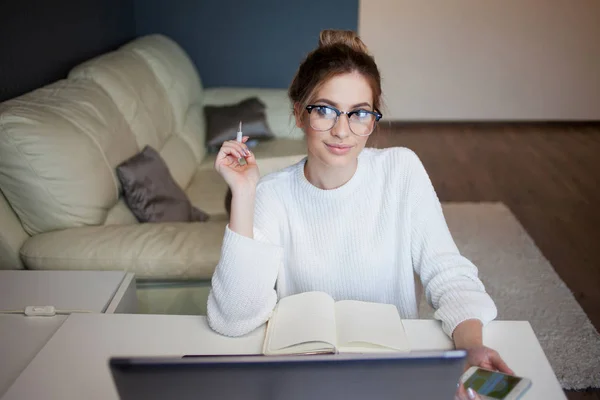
(22, 337)
(74, 362)
(95, 291)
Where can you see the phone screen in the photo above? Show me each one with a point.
(492, 384)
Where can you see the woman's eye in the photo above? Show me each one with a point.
(325, 111)
(362, 114)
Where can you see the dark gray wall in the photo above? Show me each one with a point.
(41, 40)
(245, 43)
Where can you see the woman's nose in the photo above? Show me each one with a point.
(342, 128)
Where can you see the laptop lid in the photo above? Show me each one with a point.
(423, 375)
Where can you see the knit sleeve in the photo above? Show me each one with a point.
(450, 281)
(242, 294)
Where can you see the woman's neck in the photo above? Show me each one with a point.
(326, 177)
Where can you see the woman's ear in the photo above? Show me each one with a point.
(298, 115)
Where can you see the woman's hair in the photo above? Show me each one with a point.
(339, 52)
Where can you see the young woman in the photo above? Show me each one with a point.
(351, 221)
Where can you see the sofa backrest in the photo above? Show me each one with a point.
(59, 146)
(155, 86)
(178, 77)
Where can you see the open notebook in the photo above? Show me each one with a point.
(313, 322)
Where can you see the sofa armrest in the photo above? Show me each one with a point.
(161, 251)
(12, 236)
(278, 106)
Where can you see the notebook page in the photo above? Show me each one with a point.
(363, 324)
(302, 318)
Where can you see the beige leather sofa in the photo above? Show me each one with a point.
(61, 206)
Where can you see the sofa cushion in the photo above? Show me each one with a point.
(222, 122)
(133, 87)
(140, 96)
(179, 250)
(12, 237)
(59, 146)
(177, 75)
(151, 193)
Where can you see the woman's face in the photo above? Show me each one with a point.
(338, 146)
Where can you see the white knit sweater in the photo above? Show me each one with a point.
(361, 241)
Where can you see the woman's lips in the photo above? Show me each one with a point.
(338, 149)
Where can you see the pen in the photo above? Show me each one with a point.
(242, 160)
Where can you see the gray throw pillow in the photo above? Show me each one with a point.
(222, 122)
(151, 193)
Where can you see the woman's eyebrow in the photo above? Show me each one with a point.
(329, 102)
(333, 103)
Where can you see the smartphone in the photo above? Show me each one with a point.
(495, 385)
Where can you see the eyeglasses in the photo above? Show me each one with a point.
(324, 118)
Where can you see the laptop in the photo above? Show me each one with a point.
(416, 375)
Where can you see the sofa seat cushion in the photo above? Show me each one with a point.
(157, 251)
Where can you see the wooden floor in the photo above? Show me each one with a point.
(547, 174)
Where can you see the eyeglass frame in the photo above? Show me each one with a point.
(349, 114)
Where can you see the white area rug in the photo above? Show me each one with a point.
(525, 287)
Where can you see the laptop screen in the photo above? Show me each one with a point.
(349, 377)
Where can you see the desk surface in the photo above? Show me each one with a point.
(21, 338)
(74, 363)
(65, 290)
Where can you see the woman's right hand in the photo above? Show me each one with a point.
(238, 177)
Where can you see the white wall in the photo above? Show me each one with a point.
(486, 59)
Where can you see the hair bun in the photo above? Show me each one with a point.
(331, 37)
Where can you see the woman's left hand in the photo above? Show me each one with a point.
(485, 358)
